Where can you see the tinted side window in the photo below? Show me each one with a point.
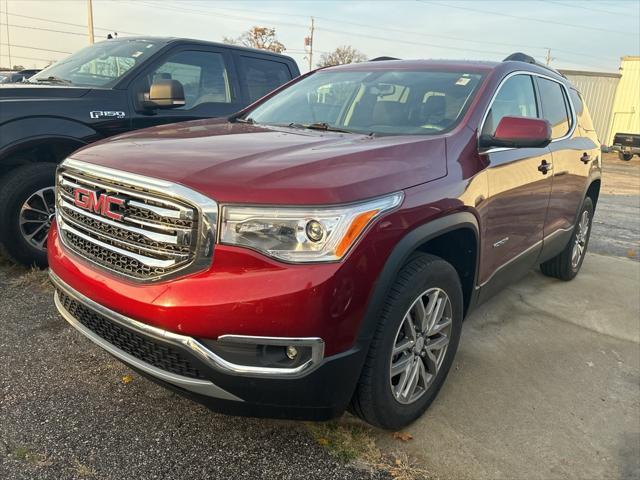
(554, 107)
(203, 76)
(516, 98)
(262, 76)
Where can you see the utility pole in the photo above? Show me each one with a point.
(6, 16)
(548, 57)
(308, 42)
(90, 21)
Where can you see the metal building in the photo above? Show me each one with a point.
(599, 92)
(625, 117)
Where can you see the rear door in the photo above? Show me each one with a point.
(573, 150)
(207, 77)
(260, 74)
(518, 190)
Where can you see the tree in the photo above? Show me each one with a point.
(342, 55)
(263, 38)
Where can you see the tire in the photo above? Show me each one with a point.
(17, 187)
(375, 399)
(625, 156)
(564, 266)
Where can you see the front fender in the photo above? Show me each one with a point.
(399, 256)
(27, 131)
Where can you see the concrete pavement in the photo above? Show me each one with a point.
(545, 384)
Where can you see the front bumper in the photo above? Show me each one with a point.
(186, 365)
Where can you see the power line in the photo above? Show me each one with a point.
(181, 9)
(581, 7)
(35, 48)
(48, 60)
(45, 29)
(518, 17)
(71, 24)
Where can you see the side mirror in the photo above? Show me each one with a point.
(519, 132)
(166, 94)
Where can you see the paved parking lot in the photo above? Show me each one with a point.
(546, 385)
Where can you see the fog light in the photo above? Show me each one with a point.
(292, 352)
(315, 231)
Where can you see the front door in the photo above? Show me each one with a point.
(519, 184)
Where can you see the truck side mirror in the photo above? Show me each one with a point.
(519, 132)
(166, 94)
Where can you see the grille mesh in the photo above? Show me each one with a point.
(139, 346)
(160, 233)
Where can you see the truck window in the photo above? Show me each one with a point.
(262, 76)
(554, 107)
(516, 98)
(203, 76)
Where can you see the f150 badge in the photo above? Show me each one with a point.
(107, 114)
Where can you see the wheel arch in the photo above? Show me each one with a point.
(47, 148)
(593, 191)
(431, 237)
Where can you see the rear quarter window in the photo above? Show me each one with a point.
(555, 107)
(261, 76)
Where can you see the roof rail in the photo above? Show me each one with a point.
(523, 57)
(380, 59)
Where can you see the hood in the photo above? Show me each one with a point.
(10, 91)
(240, 163)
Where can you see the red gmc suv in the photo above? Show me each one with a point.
(320, 249)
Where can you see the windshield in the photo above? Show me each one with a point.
(372, 102)
(99, 65)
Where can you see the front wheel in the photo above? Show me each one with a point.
(567, 263)
(625, 156)
(414, 345)
(27, 208)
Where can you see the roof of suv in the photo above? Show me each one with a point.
(468, 66)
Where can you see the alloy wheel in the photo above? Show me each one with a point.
(36, 215)
(580, 241)
(420, 345)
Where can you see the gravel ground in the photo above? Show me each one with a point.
(68, 410)
(616, 225)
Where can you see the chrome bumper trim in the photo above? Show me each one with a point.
(192, 345)
(202, 387)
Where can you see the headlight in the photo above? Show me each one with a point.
(302, 234)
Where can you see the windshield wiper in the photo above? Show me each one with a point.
(53, 79)
(318, 126)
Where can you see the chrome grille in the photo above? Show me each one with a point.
(152, 233)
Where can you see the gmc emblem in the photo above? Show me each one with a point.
(97, 203)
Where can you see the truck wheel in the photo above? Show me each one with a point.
(27, 207)
(567, 263)
(414, 344)
(625, 156)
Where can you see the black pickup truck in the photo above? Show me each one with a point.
(109, 88)
(627, 145)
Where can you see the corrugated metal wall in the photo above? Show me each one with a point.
(599, 93)
(626, 106)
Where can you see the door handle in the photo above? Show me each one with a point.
(586, 158)
(544, 167)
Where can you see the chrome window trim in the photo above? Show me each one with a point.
(206, 207)
(198, 349)
(495, 94)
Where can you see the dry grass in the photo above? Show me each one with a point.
(353, 441)
(25, 454)
(25, 277)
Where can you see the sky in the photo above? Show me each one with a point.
(581, 34)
